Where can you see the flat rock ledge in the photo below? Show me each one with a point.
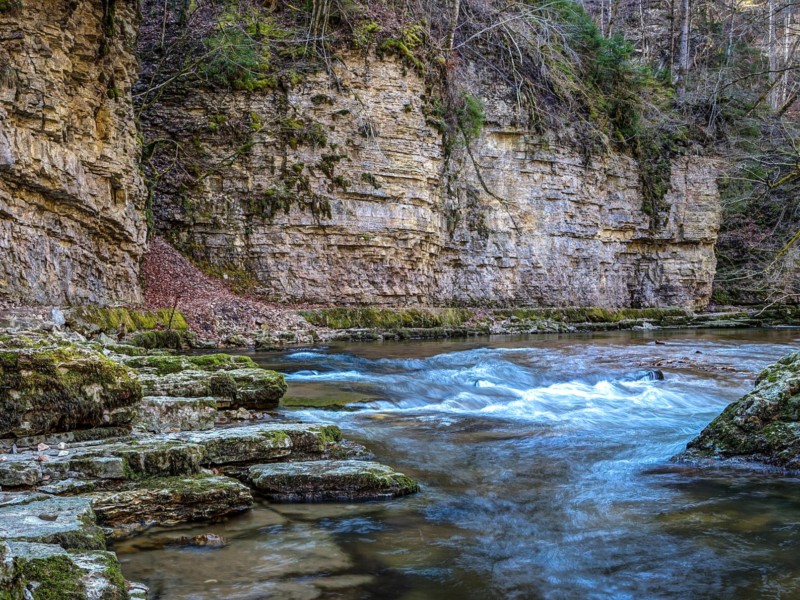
(329, 480)
(102, 441)
(51, 547)
(760, 429)
(169, 501)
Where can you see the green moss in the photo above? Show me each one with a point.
(114, 320)
(166, 364)
(113, 573)
(323, 398)
(223, 386)
(371, 180)
(384, 318)
(593, 315)
(9, 5)
(54, 577)
(168, 338)
(60, 389)
(329, 434)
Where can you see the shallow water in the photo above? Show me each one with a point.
(545, 471)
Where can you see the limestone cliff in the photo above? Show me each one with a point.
(72, 224)
(341, 190)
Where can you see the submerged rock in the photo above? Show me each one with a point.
(338, 480)
(762, 426)
(645, 375)
(63, 388)
(169, 501)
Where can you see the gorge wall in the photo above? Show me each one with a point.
(338, 189)
(72, 224)
(341, 190)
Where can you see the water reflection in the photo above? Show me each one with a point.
(545, 472)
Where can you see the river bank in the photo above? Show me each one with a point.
(100, 441)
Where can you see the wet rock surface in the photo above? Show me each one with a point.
(761, 427)
(168, 501)
(331, 480)
(74, 485)
(67, 522)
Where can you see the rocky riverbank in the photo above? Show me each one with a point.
(761, 428)
(101, 440)
(293, 326)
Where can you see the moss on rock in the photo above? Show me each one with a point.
(95, 319)
(62, 388)
(164, 364)
(169, 501)
(163, 338)
(47, 572)
(250, 388)
(338, 480)
(762, 426)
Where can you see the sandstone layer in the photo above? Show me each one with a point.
(72, 222)
(346, 193)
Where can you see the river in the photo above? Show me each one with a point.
(545, 473)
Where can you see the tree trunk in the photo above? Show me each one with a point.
(454, 8)
(683, 56)
(774, 92)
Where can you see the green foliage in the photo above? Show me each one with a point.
(471, 116)
(364, 33)
(9, 5)
(406, 47)
(303, 132)
(239, 51)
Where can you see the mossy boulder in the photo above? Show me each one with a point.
(257, 389)
(329, 480)
(170, 339)
(63, 388)
(763, 426)
(169, 501)
(48, 572)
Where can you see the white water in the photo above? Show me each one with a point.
(546, 473)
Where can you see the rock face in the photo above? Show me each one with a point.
(346, 193)
(763, 426)
(72, 224)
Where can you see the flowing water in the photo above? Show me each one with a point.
(545, 471)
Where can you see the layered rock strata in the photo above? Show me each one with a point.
(345, 192)
(72, 222)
